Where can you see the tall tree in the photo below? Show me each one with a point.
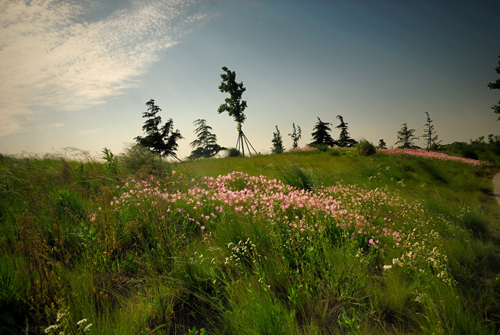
(296, 135)
(277, 141)
(430, 134)
(406, 138)
(321, 134)
(234, 105)
(382, 144)
(496, 86)
(205, 146)
(161, 140)
(344, 139)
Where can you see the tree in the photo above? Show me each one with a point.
(296, 135)
(234, 105)
(206, 144)
(406, 137)
(277, 140)
(496, 86)
(344, 139)
(430, 134)
(162, 141)
(320, 134)
(382, 144)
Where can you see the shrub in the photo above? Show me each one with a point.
(137, 156)
(365, 148)
(233, 152)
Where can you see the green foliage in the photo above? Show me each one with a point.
(321, 134)
(206, 143)
(296, 135)
(344, 140)
(111, 160)
(496, 86)
(132, 261)
(161, 141)
(277, 141)
(233, 152)
(406, 138)
(382, 144)
(233, 105)
(365, 148)
(430, 134)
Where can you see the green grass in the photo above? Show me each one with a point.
(79, 240)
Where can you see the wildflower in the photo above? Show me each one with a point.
(86, 329)
(49, 328)
(81, 321)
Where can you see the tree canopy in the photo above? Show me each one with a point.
(321, 134)
(496, 86)
(430, 134)
(344, 139)
(161, 140)
(205, 145)
(296, 135)
(406, 138)
(233, 105)
(277, 141)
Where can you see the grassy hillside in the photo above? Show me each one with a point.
(298, 243)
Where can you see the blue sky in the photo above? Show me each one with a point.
(78, 73)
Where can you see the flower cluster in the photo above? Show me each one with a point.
(433, 155)
(298, 149)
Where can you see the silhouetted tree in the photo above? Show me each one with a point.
(234, 105)
(277, 140)
(296, 135)
(496, 86)
(321, 134)
(382, 144)
(430, 134)
(344, 139)
(406, 138)
(206, 144)
(162, 141)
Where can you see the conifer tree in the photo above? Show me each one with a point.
(296, 135)
(430, 134)
(321, 134)
(406, 138)
(205, 146)
(344, 139)
(161, 140)
(382, 144)
(277, 140)
(496, 86)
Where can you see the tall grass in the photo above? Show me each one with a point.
(300, 243)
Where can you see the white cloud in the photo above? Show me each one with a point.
(59, 125)
(52, 57)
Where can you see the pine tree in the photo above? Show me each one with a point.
(382, 144)
(406, 137)
(162, 141)
(496, 86)
(277, 140)
(296, 135)
(321, 134)
(344, 139)
(206, 144)
(430, 134)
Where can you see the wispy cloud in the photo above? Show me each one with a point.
(52, 56)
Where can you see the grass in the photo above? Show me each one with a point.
(311, 242)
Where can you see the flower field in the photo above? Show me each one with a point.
(178, 250)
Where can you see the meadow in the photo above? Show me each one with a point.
(305, 242)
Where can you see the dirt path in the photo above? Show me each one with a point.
(496, 187)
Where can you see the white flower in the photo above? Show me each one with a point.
(60, 315)
(386, 267)
(87, 328)
(49, 328)
(81, 321)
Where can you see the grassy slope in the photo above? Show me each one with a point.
(129, 272)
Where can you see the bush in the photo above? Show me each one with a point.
(365, 148)
(233, 152)
(137, 156)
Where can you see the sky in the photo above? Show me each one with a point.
(78, 73)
